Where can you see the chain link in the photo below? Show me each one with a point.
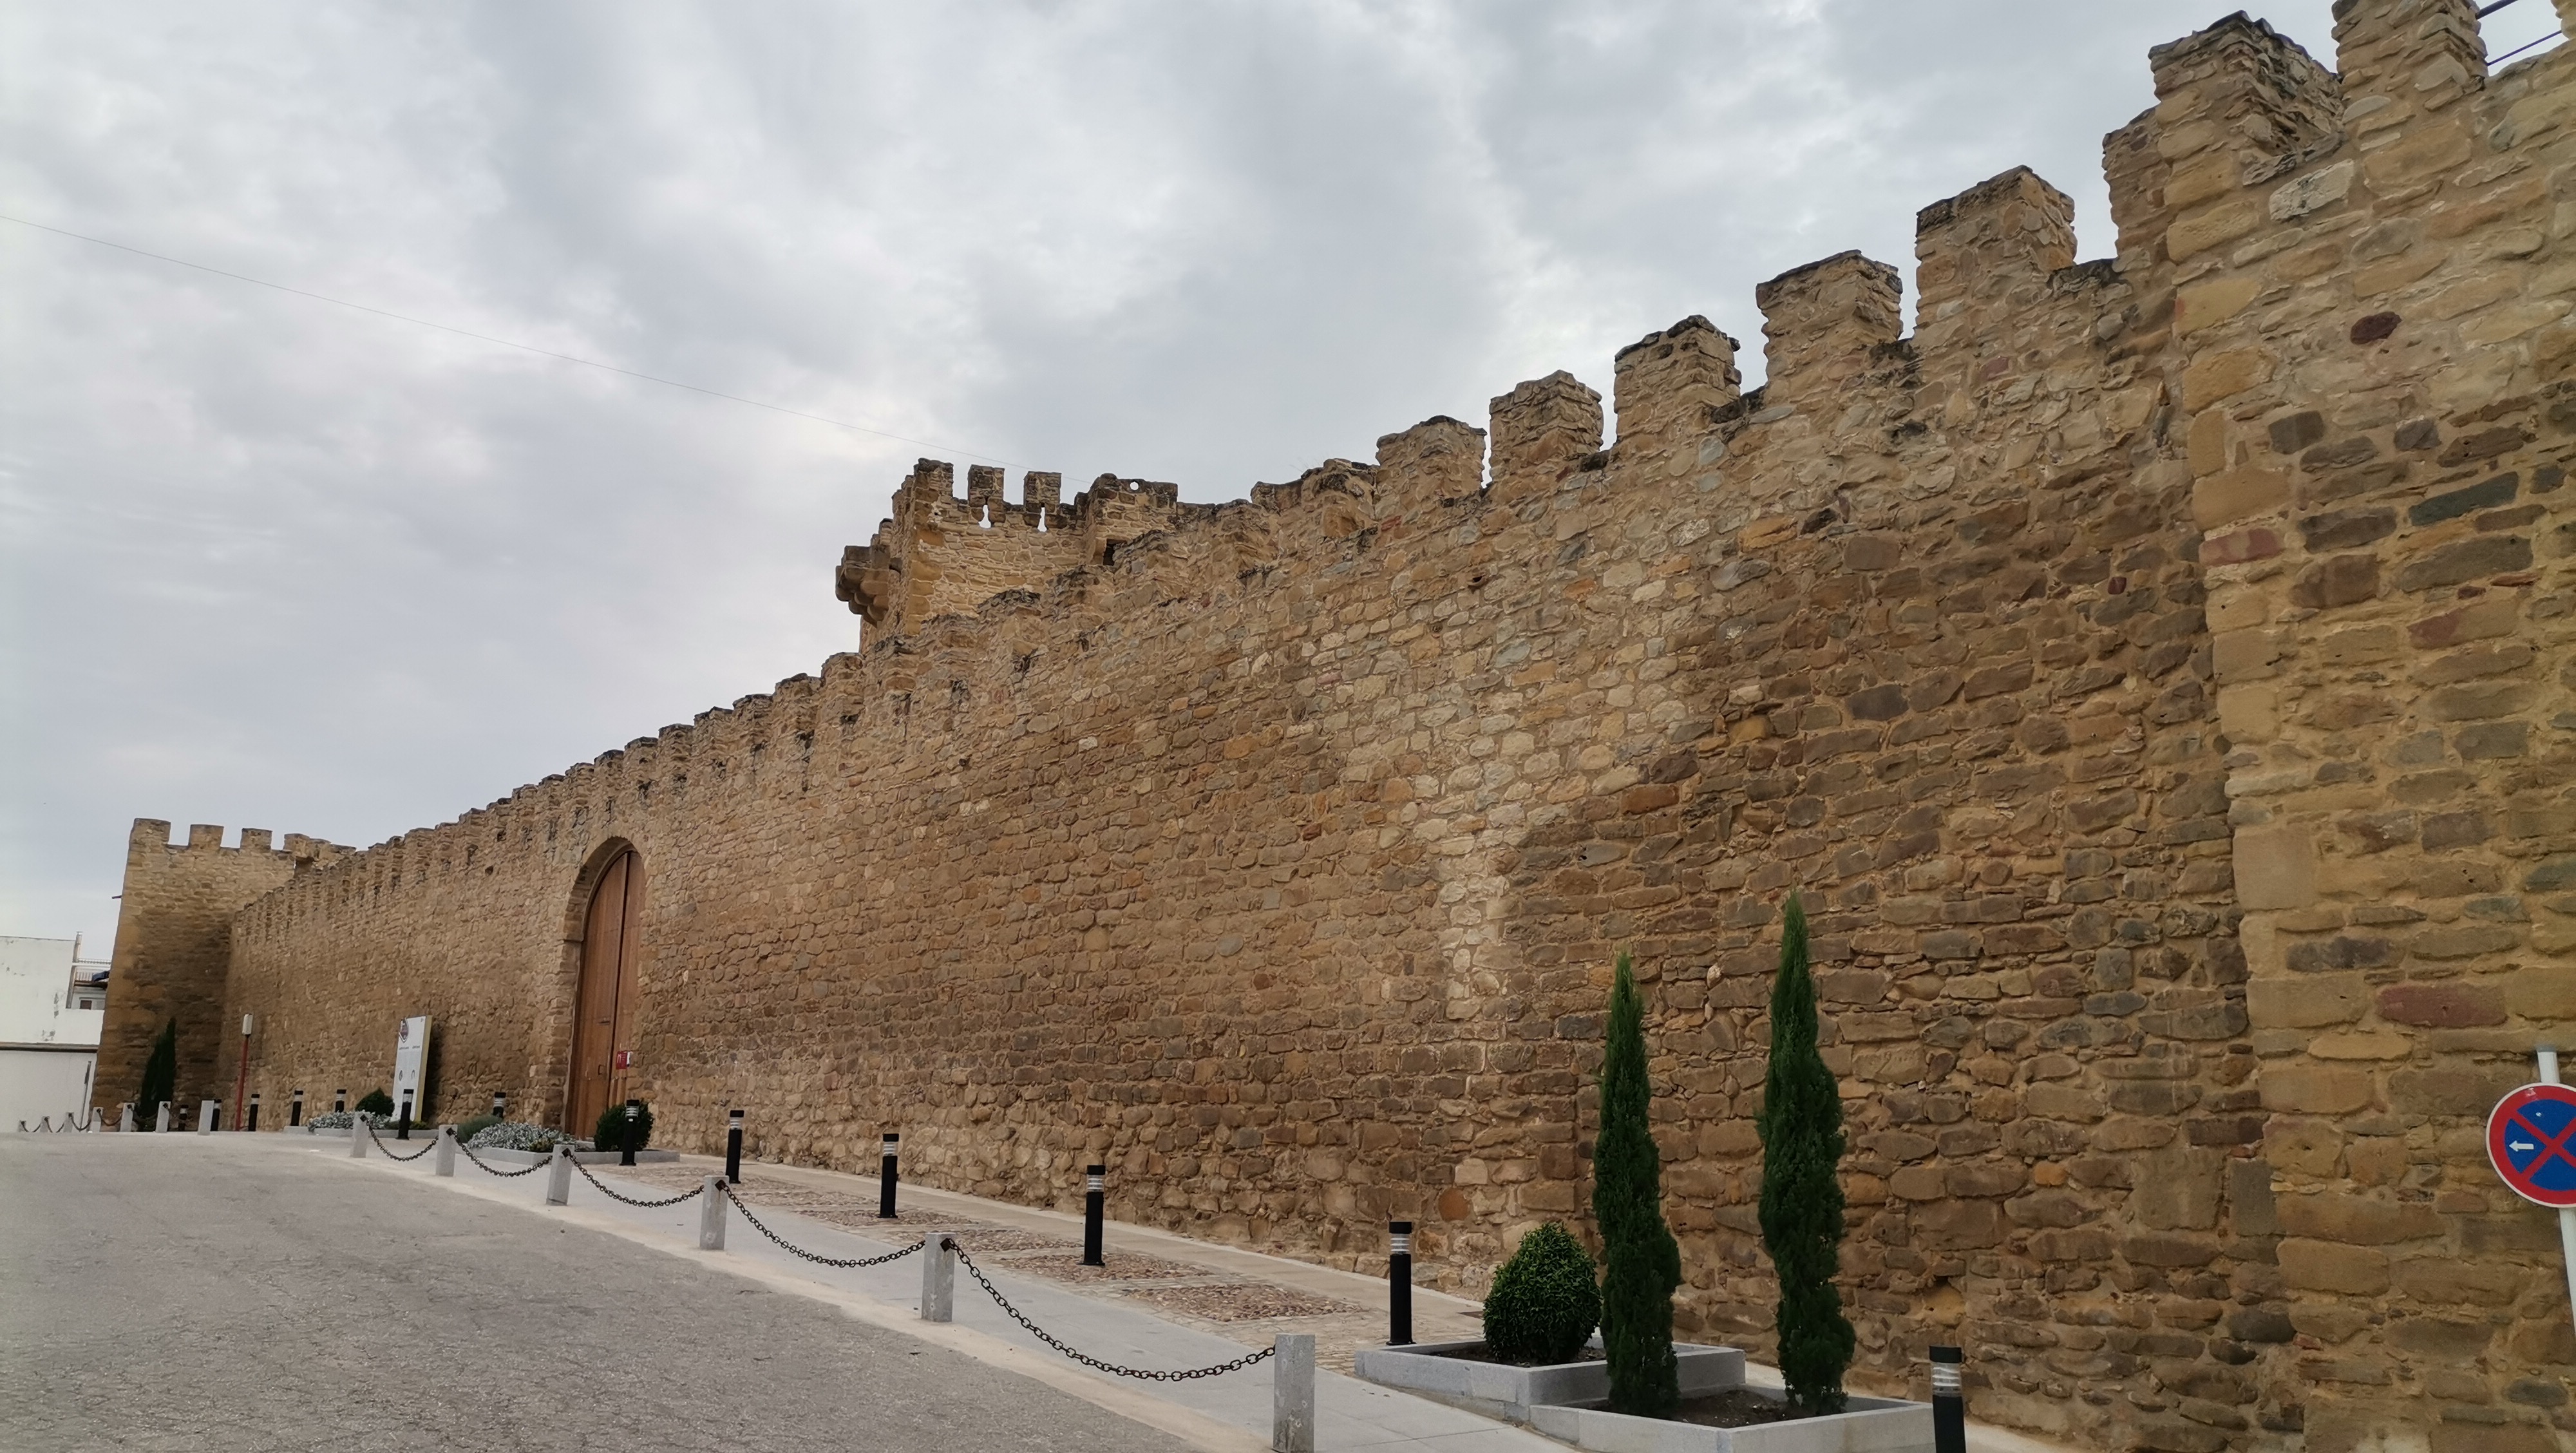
(389, 1150)
(525, 1170)
(817, 1258)
(1146, 1374)
(698, 1189)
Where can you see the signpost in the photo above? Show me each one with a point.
(2531, 1139)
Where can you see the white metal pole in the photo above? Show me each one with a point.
(2566, 1214)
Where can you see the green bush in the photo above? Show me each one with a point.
(476, 1126)
(1802, 1193)
(378, 1101)
(1641, 1264)
(160, 1076)
(1544, 1304)
(610, 1133)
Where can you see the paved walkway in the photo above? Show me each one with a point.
(1150, 1310)
(1163, 1301)
(233, 1294)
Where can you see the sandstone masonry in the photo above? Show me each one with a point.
(2159, 673)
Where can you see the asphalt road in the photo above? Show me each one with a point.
(167, 1292)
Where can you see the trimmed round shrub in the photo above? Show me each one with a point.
(469, 1129)
(1544, 1303)
(610, 1133)
(377, 1101)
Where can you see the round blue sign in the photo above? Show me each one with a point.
(2531, 1138)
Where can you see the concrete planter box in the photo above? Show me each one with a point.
(586, 1157)
(1500, 1390)
(1869, 1425)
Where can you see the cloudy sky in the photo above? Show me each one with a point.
(267, 560)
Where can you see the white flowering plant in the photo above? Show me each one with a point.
(522, 1135)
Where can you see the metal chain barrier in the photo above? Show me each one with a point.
(525, 1170)
(1146, 1374)
(630, 1200)
(1143, 1374)
(817, 1258)
(389, 1151)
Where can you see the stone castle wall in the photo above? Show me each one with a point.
(2155, 673)
(173, 949)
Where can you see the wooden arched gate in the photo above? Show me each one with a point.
(604, 1003)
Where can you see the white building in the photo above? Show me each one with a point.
(52, 1003)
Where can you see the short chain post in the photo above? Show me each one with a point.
(125, 1118)
(445, 1164)
(1292, 1393)
(252, 1123)
(634, 1127)
(1949, 1402)
(1095, 1204)
(161, 1118)
(733, 1148)
(208, 1112)
(885, 1177)
(402, 1119)
(295, 1110)
(559, 1176)
(358, 1128)
(1399, 1284)
(938, 1278)
(711, 1217)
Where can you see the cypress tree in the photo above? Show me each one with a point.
(1802, 1193)
(160, 1076)
(1641, 1263)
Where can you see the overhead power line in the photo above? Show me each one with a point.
(502, 342)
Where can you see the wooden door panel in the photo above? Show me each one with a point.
(594, 1037)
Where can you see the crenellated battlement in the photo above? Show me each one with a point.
(152, 833)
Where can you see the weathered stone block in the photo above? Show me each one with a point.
(2326, 1266)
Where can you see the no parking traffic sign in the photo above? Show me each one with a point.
(2531, 1138)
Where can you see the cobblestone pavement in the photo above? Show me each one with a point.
(158, 1292)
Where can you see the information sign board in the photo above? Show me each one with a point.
(411, 1064)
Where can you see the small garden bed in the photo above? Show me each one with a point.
(1463, 1373)
(1744, 1420)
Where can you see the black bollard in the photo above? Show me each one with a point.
(1095, 1201)
(500, 1104)
(885, 1179)
(1399, 1284)
(634, 1123)
(733, 1148)
(215, 1117)
(402, 1120)
(1949, 1402)
(295, 1111)
(253, 1122)
(339, 1102)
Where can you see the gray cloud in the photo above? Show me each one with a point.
(274, 562)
